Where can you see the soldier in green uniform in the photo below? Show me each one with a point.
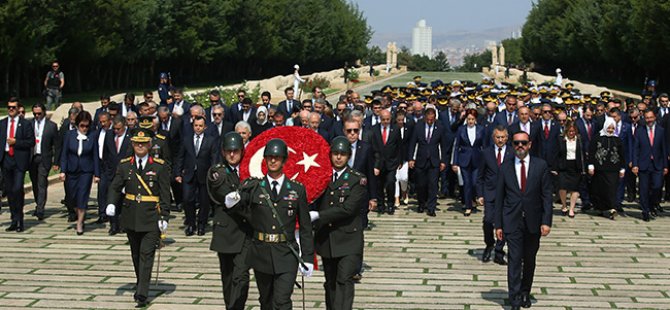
(145, 208)
(272, 205)
(338, 229)
(231, 233)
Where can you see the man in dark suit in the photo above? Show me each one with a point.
(428, 153)
(508, 116)
(172, 126)
(198, 153)
(235, 108)
(524, 124)
(247, 113)
(47, 145)
(386, 145)
(290, 107)
(219, 127)
(361, 160)
(587, 131)
(231, 235)
(178, 101)
(650, 164)
(104, 102)
(116, 147)
(65, 127)
(18, 138)
(128, 104)
(487, 181)
(374, 118)
(548, 137)
(523, 213)
(104, 129)
(215, 100)
(315, 125)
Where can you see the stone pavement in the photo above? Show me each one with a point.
(413, 262)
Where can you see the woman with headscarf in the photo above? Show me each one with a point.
(261, 123)
(606, 166)
(79, 164)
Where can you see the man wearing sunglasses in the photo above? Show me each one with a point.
(47, 145)
(523, 214)
(18, 137)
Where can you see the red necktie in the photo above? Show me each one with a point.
(499, 156)
(651, 136)
(588, 129)
(116, 143)
(384, 136)
(546, 131)
(11, 136)
(523, 176)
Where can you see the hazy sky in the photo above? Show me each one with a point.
(400, 16)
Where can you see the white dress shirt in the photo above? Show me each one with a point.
(502, 152)
(144, 161)
(280, 182)
(39, 131)
(571, 146)
(101, 142)
(472, 134)
(353, 154)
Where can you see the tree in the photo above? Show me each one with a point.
(475, 62)
(375, 56)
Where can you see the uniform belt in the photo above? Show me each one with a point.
(142, 198)
(270, 238)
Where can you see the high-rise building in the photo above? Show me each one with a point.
(422, 39)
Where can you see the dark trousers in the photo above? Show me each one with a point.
(631, 184)
(448, 182)
(522, 247)
(469, 175)
(386, 182)
(38, 177)
(13, 182)
(103, 185)
(339, 283)
(651, 183)
(142, 249)
(666, 180)
(488, 227)
(177, 191)
(584, 190)
(194, 192)
(235, 278)
(426, 186)
(275, 290)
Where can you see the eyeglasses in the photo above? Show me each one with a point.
(240, 96)
(37, 113)
(546, 111)
(354, 130)
(562, 120)
(54, 66)
(521, 142)
(217, 114)
(307, 107)
(84, 125)
(11, 107)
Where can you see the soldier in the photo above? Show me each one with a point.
(272, 205)
(231, 234)
(159, 143)
(145, 208)
(338, 227)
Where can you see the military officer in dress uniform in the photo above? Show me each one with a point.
(272, 205)
(231, 234)
(146, 181)
(159, 143)
(338, 227)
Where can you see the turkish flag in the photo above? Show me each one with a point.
(308, 159)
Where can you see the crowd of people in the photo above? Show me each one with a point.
(422, 140)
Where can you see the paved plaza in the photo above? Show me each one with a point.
(413, 262)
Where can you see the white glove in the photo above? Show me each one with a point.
(110, 210)
(162, 225)
(232, 199)
(307, 272)
(314, 215)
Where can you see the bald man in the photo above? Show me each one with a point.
(388, 158)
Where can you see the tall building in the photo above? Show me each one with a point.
(422, 39)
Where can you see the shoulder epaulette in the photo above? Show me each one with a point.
(159, 136)
(127, 159)
(158, 160)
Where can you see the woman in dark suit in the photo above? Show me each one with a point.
(79, 164)
(570, 168)
(467, 156)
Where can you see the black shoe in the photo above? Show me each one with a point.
(500, 260)
(431, 213)
(201, 230)
(486, 257)
(189, 230)
(515, 308)
(113, 230)
(525, 301)
(645, 217)
(141, 301)
(419, 210)
(357, 277)
(40, 216)
(12, 227)
(71, 218)
(390, 210)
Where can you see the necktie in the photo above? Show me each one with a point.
(289, 106)
(384, 135)
(509, 118)
(616, 131)
(546, 130)
(523, 176)
(274, 190)
(165, 126)
(235, 172)
(334, 177)
(353, 155)
(11, 135)
(651, 136)
(116, 143)
(588, 129)
(499, 156)
(139, 165)
(197, 144)
(430, 133)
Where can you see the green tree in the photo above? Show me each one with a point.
(475, 62)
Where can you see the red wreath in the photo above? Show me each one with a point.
(307, 150)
